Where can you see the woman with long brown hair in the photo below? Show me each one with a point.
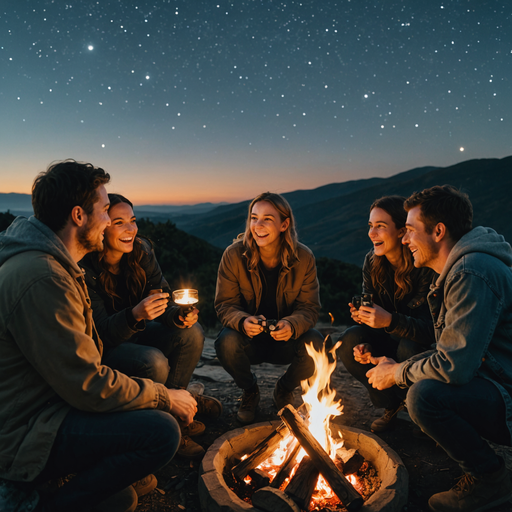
(396, 322)
(267, 300)
(142, 336)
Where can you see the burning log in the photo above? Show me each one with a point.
(351, 461)
(286, 468)
(259, 478)
(260, 453)
(303, 483)
(348, 496)
(269, 499)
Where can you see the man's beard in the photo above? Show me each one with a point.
(88, 243)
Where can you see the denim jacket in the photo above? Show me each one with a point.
(471, 303)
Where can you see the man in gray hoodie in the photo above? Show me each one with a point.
(61, 411)
(461, 393)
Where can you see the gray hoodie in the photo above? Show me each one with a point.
(471, 304)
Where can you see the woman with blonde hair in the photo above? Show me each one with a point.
(267, 299)
(397, 323)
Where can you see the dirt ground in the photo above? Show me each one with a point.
(430, 470)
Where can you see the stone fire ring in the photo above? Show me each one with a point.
(216, 496)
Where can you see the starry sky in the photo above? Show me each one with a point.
(187, 101)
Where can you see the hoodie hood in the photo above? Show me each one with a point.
(32, 235)
(481, 240)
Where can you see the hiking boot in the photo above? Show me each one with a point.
(281, 396)
(208, 406)
(188, 449)
(475, 494)
(247, 410)
(387, 421)
(196, 428)
(145, 485)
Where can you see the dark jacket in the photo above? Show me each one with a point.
(411, 315)
(113, 317)
(238, 293)
(50, 354)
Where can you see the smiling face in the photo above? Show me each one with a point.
(267, 226)
(386, 238)
(424, 249)
(90, 235)
(120, 236)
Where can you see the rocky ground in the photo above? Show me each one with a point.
(430, 470)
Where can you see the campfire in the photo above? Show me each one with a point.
(304, 462)
(297, 458)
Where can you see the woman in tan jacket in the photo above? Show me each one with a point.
(267, 300)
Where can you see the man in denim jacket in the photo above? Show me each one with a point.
(461, 393)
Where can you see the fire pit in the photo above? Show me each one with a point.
(216, 496)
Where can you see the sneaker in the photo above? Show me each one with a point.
(145, 485)
(475, 494)
(387, 421)
(208, 406)
(188, 449)
(281, 396)
(196, 428)
(247, 410)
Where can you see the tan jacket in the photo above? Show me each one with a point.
(50, 355)
(238, 293)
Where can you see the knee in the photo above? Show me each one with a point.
(313, 337)
(193, 337)
(157, 365)
(164, 434)
(407, 348)
(349, 339)
(421, 397)
(227, 343)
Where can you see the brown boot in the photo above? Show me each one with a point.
(196, 428)
(387, 421)
(145, 485)
(247, 410)
(208, 406)
(188, 449)
(475, 494)
(281, 396)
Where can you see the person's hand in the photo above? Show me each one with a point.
(151, 307)
(252, 327)
(190, 318)
(363, 353)
(283, 331)
(354, 313)
(382, 376)
(375, 316)
(183, 405)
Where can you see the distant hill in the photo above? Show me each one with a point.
(17, 204)
(332, 220)
(21, 204)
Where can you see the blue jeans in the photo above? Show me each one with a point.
(161, 353)
(459, 417)
(383, 344)
(107, 452)
(237, 352)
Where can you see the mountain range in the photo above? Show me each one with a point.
(332, 220)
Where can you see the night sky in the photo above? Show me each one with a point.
(193, 101)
